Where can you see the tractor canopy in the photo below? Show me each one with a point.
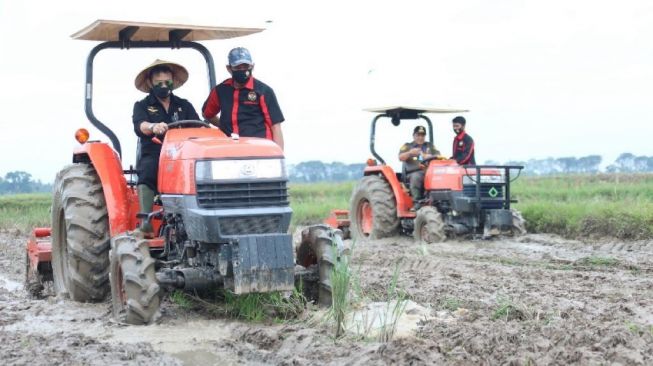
(398, 112)
(126, 35)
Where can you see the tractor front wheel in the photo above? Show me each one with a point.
(320, 251)
(80, 235)
(134, 289)
(429, 226)
(518, 223)
(373, 211)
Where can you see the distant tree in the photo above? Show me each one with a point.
(589, 164)
(567, 164)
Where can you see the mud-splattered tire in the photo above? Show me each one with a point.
(373, 212)
(80, 235)
(134, 290)
(429, 226)
(321, 248)
(518, 223)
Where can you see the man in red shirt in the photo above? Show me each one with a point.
(247, 106)
(463, 144)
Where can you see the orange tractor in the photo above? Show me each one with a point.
(459, 200)
(221, 217)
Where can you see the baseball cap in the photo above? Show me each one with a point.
(240, 55)
(420, 130)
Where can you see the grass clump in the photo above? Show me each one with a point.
(450, 303)
(599, 261)
(508, 310)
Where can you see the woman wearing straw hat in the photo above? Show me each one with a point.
(151, 117)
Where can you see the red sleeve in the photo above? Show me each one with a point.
(211, 106)
(469, 150)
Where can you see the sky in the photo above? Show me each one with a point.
(541, 79)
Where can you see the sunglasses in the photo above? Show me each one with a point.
(163, 83)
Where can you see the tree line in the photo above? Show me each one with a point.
(22, 182)
(318, 171)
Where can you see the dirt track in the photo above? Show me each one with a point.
(538, 299)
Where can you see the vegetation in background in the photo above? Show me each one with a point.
(25, 211)
(614, 205)
(617, 205)
(21, 182)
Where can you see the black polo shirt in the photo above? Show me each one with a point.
(150, 109)
(463, 149)
(254, 113)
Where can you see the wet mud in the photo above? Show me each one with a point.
(537, 299)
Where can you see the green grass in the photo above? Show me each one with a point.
(25, 211)
(578, 206)
(312, 203)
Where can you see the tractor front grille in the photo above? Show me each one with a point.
(242, 194)
(489, 191)
(247, 225)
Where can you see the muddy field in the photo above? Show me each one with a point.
(537, 299)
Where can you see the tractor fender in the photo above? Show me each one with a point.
(404, 201)
(117, 194)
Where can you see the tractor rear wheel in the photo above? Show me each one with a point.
(320, 250)
(373, 211)
(429, 226)
(518, 223)
(134, 289)
(80, 235)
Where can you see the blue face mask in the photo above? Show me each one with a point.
(241, 76)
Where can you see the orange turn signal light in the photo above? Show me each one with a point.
(82, 135)
(371, 162)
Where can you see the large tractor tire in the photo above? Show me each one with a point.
(134, 290)
(429, 226)
(80, 235)
(518, 223)
(373, 213)
(320, 250)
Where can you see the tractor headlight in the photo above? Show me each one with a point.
(494, 179)
(208, 170)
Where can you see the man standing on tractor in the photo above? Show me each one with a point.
(247, 106)
(412, 154)
(463, 144)
(151, 117)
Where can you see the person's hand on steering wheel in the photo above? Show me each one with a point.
(159, 129)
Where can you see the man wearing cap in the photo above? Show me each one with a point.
(411, 154)
(247, 106)
(463, 144)
(151, 117)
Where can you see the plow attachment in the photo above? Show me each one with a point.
(38, 261)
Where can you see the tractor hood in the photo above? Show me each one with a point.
(205, 143)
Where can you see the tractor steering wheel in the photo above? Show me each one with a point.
(189, 122)
(425, 162)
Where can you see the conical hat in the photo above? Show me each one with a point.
(179, 75)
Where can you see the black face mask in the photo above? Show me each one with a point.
(160, 91)
(457, 131)
(241, 76)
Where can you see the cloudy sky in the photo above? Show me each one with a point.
(554, 78)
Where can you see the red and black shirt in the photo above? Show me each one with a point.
(252, 115)
(463, 149)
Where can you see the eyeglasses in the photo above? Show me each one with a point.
(162, 83)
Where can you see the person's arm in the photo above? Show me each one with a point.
(277, 135)
(406, 152)
(211, 107)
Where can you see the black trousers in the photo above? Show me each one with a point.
(148, 169)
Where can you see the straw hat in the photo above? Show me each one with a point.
(179, 75)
